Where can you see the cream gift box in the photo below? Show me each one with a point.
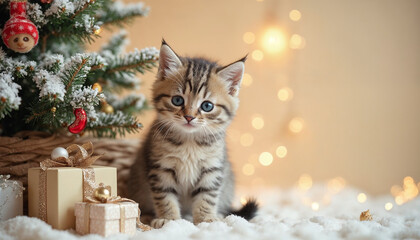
(11, 203)
(64, 187)
(106, 218)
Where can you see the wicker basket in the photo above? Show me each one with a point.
(27, 149)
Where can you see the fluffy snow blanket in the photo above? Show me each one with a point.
(284, 214)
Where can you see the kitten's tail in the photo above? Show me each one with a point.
(248, 210)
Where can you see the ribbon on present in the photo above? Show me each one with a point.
(80, 157)
(111, 200)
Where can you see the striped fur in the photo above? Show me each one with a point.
(182, 168)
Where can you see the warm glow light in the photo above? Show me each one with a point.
(246, 139)
(336, 184)
(273, 40)
(388, 206)
(285, 94)
(399, 200)
(265, 159)
(315, 206)
(297, 42)
(396, 190)
(296, 125)
(408, 180)
(243, 200)
(361, 197)
(295, 15)
(249, 37)
(281, 151)
(248, 169)
(257, 55)
(98, 31)
(258, 122)
(305, 182)
(247, 80)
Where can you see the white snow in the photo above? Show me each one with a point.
(284, 214)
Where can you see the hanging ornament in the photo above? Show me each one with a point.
(97, 86)
(46, 1)
(106, 108)
(80, 123)
(19, 33)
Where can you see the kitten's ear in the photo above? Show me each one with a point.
(233, 74)
(168, 60)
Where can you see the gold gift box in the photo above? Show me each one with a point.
(64, 189)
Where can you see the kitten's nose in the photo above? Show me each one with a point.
(188, 118)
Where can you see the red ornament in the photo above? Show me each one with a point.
(46, 1)
(80, 123)
(19, 33)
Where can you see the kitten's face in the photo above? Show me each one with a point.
(193, 95)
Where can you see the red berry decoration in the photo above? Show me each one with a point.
(80, 123)
(19, 33)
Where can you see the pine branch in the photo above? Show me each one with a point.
(84, 61)
(115, 45)
(86, 5)
(109, 125)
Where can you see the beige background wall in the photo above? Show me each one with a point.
(356, 84)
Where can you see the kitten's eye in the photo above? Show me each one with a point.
(207, 106)
(177, 100)
(25, 39)
(16, 40)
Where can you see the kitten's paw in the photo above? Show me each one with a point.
(208, 219)
(159, 222)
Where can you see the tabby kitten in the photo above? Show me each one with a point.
(182, 168)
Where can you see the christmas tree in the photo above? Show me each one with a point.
(52, 83)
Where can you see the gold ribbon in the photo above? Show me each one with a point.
(80, 157)
(112, 200)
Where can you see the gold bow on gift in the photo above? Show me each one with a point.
(102, 194)
(79, 156)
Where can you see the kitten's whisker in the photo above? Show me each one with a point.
(160, 125)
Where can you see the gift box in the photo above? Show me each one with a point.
(11, 202)
(64, 186)
(106, 219)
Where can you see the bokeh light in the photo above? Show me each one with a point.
(407, 192)
(249, 37)
(281, 151)
(257, 55)
(297, 42)
(274, 40)
(361, 197)
(315, 206)
(265, 159)
(295, 15)
(336, 184)
(285, 94)
(248, 169)
(247, 80)
(305, 182)
(246, 139)
(399, 200)
(296, 125)
(388, 206)
(257, 123)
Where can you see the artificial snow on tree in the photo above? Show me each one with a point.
(50, 87)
